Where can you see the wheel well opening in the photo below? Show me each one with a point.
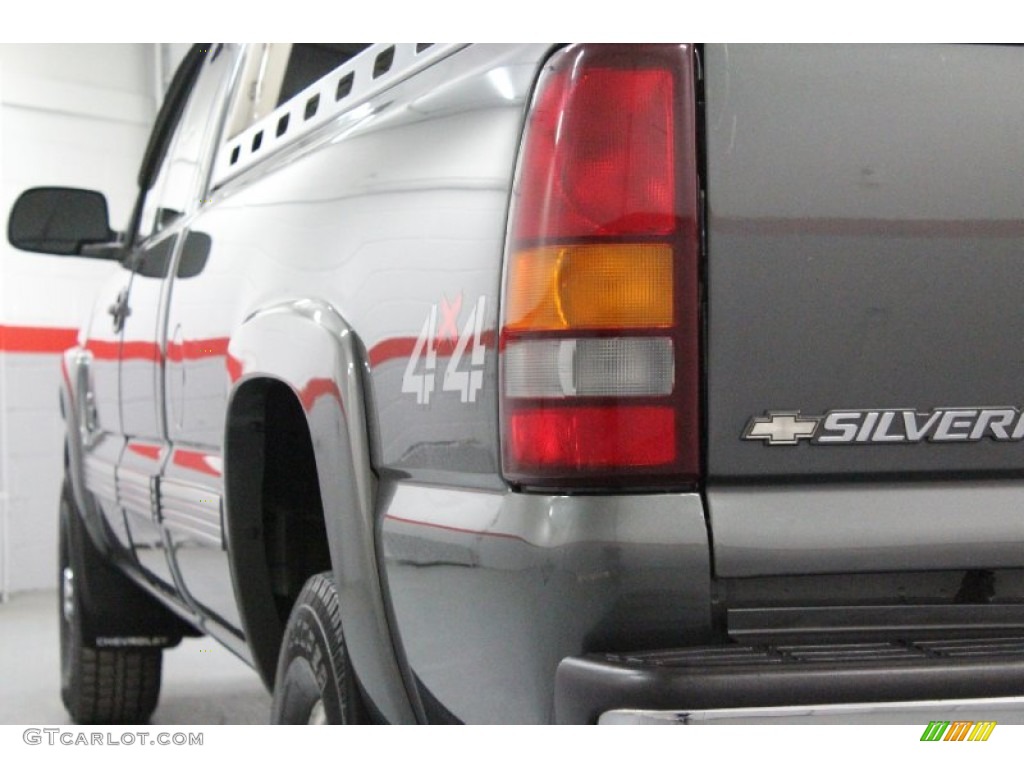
(274, 516)
(293, 516)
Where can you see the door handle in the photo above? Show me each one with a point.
(120, 310)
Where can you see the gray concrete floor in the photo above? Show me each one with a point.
(205, 684)
(202, 682)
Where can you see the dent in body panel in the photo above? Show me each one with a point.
(492, 590)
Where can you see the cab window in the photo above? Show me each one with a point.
(274, 72)
(181, 179)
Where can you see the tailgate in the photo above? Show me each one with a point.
(865, 343)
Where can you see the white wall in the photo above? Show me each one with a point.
(70, 115)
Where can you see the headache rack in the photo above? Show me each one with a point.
(368, 73)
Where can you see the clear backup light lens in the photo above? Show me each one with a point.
(624, 367)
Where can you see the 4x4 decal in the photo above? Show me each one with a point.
(420, 377)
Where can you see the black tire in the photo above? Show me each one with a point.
(315, 684)
(99, 686)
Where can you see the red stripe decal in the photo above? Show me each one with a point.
(19, 338)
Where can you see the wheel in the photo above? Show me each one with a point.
(98, 685)
(314, 683)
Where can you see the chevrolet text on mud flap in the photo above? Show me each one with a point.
(888, 426)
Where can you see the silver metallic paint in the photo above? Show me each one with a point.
(492, 590)
(321, 347)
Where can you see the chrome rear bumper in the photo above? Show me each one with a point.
(1005, 711)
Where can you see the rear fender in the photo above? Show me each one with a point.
(308, 346)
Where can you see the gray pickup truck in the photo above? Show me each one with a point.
(530, 383)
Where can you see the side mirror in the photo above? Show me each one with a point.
(62, 221)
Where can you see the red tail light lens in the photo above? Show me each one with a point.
(600, 354)
(594, 436)
(584, 171)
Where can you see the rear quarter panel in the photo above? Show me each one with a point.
(393, 212)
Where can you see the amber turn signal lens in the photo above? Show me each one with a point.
(573, 287)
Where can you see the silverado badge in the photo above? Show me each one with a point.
(887, 426)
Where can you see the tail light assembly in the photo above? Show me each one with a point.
(600, 354)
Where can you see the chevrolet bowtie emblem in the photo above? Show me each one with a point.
(781, 428)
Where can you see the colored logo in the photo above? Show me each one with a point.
(958, 730)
